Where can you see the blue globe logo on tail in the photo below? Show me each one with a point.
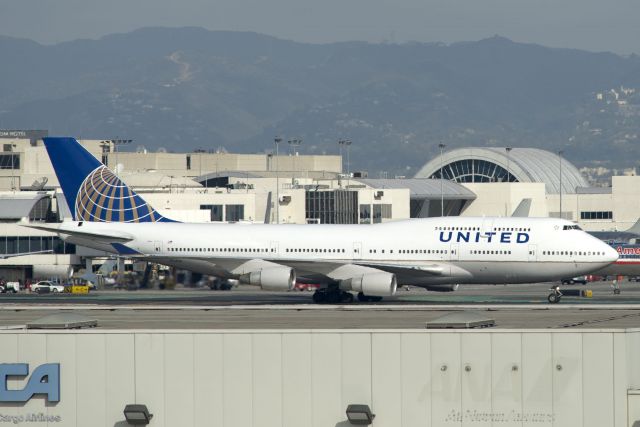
(91, 190)
(103, 197)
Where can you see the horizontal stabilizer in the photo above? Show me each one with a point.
(107, 236)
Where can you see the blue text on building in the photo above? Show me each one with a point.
(45, 380)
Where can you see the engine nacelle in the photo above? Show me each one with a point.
(271, 278)
(442, 288)
(372, 284)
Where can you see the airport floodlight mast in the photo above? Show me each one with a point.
(347, 143)
(277, 140)
(508, 204)
(508, 149)
(115, 143)
(441, 146)
(294, 145)
(13, 182)
(560, 153)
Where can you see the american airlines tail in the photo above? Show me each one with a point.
(92, 191)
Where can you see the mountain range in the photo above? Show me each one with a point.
(184, 89)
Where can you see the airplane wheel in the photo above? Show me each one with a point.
(616, 291)
(553, 298)
(318, 297)
(347, 297)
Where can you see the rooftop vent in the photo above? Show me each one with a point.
(63, 321)
(461, 320)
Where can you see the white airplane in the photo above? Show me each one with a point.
(369, 260)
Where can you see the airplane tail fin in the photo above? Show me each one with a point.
(635, 228)
(92, 191)
(523, 208)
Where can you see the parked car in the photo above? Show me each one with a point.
(46, 286)
(634, 278)
(580, 279)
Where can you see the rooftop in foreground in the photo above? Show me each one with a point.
(511, 306)
(328, 318)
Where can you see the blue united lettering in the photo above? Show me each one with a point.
(490, 236)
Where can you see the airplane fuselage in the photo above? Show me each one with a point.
(423, 251)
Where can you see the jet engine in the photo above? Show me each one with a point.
(442, 288)
(271, 278)
(372, 284)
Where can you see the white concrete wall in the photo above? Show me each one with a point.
(626, 199)
(501, 199)
(307, 378)
(186, 205)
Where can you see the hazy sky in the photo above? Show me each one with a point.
(612, 25)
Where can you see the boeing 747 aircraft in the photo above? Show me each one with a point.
(367, 260)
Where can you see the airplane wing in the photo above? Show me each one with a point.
(330, 271)
(322, 271)
(401, 270)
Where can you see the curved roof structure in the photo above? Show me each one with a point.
(496, 164)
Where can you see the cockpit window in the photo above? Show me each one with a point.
(571, 227)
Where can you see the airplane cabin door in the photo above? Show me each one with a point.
(454, 252)
(357, 250)
(532, 253)
(487, 225)
(273, 249)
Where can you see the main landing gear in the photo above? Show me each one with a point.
(364, 298)
(555, 295)
(332, 296)
(337, 296)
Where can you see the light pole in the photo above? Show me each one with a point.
(277, 140)
(294, 144)
(508, 206)
(115, 143)
(560, 153)
(508, 163)
(441, 146)
(346, 142)
(13, 182)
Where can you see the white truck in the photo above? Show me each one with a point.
(10, 287)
